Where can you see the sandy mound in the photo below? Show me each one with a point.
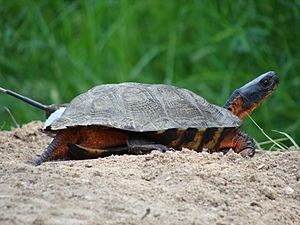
(172, 188)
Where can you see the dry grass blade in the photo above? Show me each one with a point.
(269, 142)
(2, 126)
(267, 136)
(288, 137)
(12, 117)
(258, 145)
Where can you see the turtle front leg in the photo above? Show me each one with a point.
(240, 142)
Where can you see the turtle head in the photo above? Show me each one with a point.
(246, 99)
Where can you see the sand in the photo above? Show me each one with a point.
(181, 187)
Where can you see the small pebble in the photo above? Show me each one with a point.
(214, 156)
(148, 157)
(255, 204)
(89, 197)
(298, 177)
(168, 178)
(252, 178)
(75, 175)
(261, 166)
(288, 190)
(85, 181)
(180, 198)
(97, 174)
(269, 192)
(181, 209)
(220, 154)
(232, 156)
(186, 150)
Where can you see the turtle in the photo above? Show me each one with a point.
(137, 118)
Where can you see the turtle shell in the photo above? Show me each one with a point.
(143, 107)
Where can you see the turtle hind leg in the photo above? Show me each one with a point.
(80, 152)
(138, 145)
(134, 147)
(240, 142)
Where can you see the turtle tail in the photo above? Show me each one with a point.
(47, 154)
(58, 148)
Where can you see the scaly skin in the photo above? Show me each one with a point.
(238, 141)
(242, 103)
(91, 136)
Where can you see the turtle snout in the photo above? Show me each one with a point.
(276, 79)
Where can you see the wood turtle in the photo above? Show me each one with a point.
(135, 118)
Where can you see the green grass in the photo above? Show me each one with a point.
(54, 50)
(275, 143)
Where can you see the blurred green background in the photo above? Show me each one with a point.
(53, 50)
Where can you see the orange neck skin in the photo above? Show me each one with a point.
(237, 108)
(240, 108)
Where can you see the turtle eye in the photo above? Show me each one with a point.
(265, 82)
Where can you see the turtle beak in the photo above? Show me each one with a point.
(274, 77)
